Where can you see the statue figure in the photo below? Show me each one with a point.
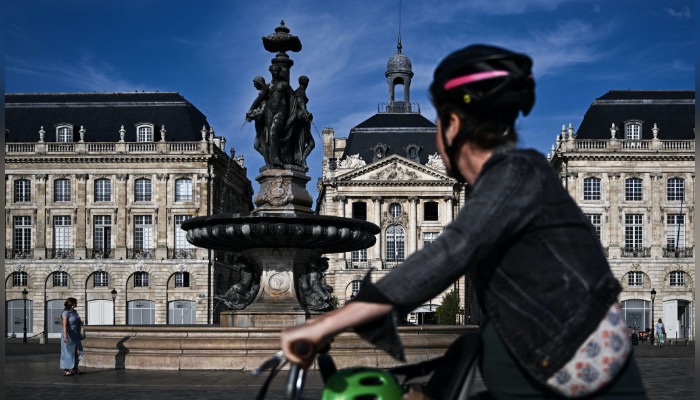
(277, 110)
(301, 141)
(241, 294)
(313, 293)
(255, 113)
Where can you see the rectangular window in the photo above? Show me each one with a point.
(22, 235)
(675, 231)
(62, 232)
(633, 189)
(182, 279)
(20, 279)
(595, 221)
(142, 190)
(359, 210)
(633, 132)
(675, 189)
(429, 237)
(141, 279)
(143, 232)
(181, 235)
(61, 190)
(102, 232)
(635, 278)
(183, 190)
(359, 258)
(103, 190)
(60, 279)
(633, 231)
(591, 189)
(145, 134)
(23, 191)
(101, 279)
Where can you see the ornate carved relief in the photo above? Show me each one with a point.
(278, 192)
(394, 172)
(352, 161)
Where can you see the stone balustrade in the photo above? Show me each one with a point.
(107, 147)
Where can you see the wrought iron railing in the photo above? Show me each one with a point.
(140, 253)
(678, 252)
(182, 253)
(100, 253)
(635, 252)
(62, 253)
(19, 253)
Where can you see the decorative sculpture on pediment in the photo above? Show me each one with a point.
(394, 172)
(435, 162)
(352, 161)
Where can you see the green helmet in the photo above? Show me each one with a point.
(362, 383)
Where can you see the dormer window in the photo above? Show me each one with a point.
(379, 151)
(633, 130)
(144, 133)
(412, 152)
(64, 133)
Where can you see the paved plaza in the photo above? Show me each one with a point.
(32, 372)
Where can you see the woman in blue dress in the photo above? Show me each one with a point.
(71, 347)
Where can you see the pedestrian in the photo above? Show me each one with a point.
(553, 326)
(660, 333)
(71, 336)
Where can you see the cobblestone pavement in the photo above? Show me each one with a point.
(31, 372)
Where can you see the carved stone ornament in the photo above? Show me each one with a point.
(19, 268)
(279, 192)
(388, 219)
(99, 268)
(394, 172)
(435, 162)
(181, 268)
(140, 266)
(279, 283)
(352, 161)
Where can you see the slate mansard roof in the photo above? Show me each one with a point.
(672, 111)
(394, 130)
(102, 115)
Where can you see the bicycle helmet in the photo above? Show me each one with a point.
(362, 384)
(483, 78)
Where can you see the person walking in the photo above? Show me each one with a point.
(71, 336)
(553, 326)
(660, 333)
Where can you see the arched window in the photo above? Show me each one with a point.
(183, 189)
(633, 189)
(395, 244)
(675, 189)
(61, 190)
(633, 131)
(100, 279)
(359, 258)
(103, 189)
(142, 189)
(64, 134)
(182, 279)
(354, 288)
(144, 133)
(141, 279)
(591, 189)
(23, 191)
(60, 279)
(395, 210)
(20, 278)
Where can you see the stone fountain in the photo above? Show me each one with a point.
(282, 241)
(281, 265)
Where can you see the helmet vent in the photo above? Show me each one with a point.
(372, 381)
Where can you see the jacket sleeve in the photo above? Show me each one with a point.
(503, 202)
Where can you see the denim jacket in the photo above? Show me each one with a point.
(537, 265)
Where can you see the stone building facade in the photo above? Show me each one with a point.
(388, 171)
(631, 168)
(97, 185)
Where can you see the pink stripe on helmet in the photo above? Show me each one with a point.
(479, 76)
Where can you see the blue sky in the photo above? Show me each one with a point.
(210, 51)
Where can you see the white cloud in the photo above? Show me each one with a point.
(682, 13)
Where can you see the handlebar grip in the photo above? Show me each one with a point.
(302, 349)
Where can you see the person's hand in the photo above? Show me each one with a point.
(65, 338)
(306, 337)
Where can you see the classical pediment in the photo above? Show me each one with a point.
(393, 169)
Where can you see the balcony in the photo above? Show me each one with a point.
(140, 253)
(19, 254)
(178, 254)
(678, 252)
(107, 148)
(100, 253)
(62, 253)
(609, 145)
(635, 252)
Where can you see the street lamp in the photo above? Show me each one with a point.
(24, 299)
(114, 307)
(653, 296)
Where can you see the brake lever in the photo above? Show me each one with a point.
(271, 363)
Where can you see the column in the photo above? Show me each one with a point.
(341, 203)
(81, 209)
(412, 225)
(378, 248)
